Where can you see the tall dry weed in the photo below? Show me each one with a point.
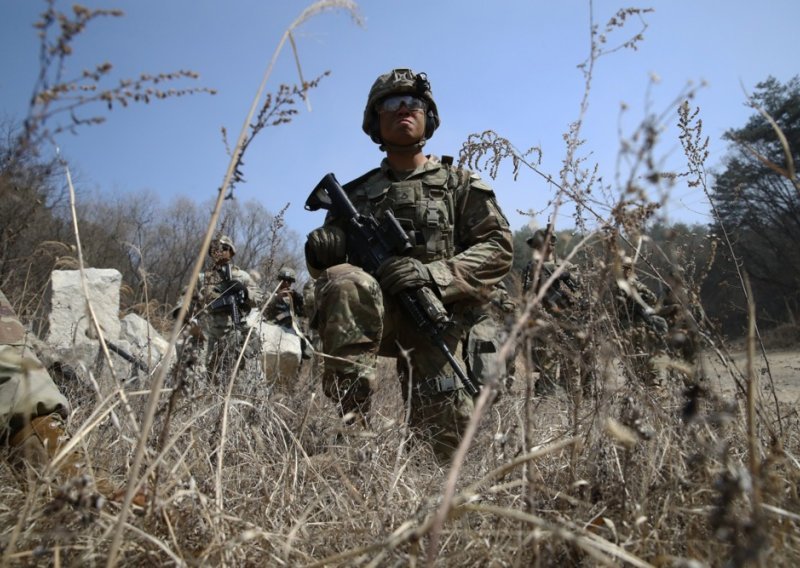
(253, 472)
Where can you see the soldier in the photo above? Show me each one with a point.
(223, 298)
(643, 330)
(33, 410)
(287, 306)
(461, 247)
(287, 303)
(560, 350)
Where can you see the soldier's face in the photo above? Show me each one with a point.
(403, 125)
(221, 254)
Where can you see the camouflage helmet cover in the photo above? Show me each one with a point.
(399, 82)
(287, 274)
(222, 240)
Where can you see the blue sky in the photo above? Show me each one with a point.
(505, 65)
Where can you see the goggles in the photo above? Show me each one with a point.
(394, 102)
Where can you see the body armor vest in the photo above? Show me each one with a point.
(423, 205)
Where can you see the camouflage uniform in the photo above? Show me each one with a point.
(26, 389)
(309, 304)
(486, 338)
(559, 342)
(286, 307)
(225, 339)
(643, 332)
(463, 239)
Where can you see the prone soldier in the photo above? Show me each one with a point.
(33, 410)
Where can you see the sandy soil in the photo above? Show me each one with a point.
(781, 368)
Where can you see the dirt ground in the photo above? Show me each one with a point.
(783, 366)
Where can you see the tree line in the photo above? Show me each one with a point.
(153, 244)
(755, 197)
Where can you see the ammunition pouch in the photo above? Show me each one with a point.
(433, 386)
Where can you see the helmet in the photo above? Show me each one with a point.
(221, 240)
(288, 274)
(536, 241)
(396, 82)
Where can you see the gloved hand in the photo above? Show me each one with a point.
(326, 247)
(402, 273)
(659, 324)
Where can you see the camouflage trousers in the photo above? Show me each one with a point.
(225, 343)
(356, 323)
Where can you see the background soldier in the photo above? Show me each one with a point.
(559, 343)
(643, 331)
(461, 247)
(223, 298)
(287, 306)
(287, 303)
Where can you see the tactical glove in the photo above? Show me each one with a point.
(326, 247)
(659, 324)
(402, 273)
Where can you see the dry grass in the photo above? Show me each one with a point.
(254, 474)
(638, 480)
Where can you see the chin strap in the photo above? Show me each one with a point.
(407, 149)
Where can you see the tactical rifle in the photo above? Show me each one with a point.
(232, 294)
(135, 361)
(555, 295)
(370, 242)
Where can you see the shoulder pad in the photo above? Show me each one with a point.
(475, 182)
(359, 180)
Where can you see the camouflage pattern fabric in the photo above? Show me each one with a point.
(460, 234)
(309, 301)
(224, 340)
(26, 389)
(504, 312)
(561, 354)
(641, 344)
(559, 348)
(285, 307)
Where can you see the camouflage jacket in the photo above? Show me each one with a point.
(564, 294)
(452, 218)
(211, 284)
(285, 306)
(635, 303)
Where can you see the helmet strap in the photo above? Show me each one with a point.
(403, 149)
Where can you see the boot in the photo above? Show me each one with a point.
(40, 440)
